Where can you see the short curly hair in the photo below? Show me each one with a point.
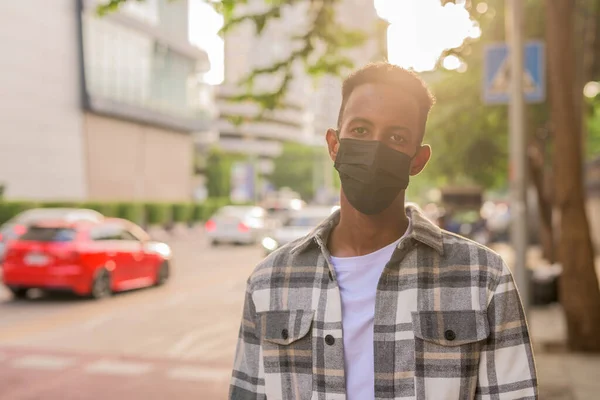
(389, 74)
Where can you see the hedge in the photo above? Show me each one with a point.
(9, 209)
(150, 213)
(197, 213)
(182, 212)
(158, 213)
(131, 211)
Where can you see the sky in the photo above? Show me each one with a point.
(419, 32)
(204, 26)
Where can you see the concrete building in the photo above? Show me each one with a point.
(327, 98)
(310, 106)
(99, 108)
(245, 51)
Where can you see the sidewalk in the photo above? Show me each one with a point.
(562, 375)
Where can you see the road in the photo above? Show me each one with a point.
(176, 341)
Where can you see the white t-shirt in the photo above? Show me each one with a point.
(357, 278)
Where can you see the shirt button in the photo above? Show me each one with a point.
(330, 340)
(285, 334)
(450, 335)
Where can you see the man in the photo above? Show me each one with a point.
(378, 302)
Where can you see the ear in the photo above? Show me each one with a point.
(332, 143)
(421, 158)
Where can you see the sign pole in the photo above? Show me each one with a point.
(517, 146)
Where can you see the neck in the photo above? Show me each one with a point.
(359, 234)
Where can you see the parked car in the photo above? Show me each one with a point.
(281, 203)
(237, 225)
(17, 226)
(88, 258)
(299, 224)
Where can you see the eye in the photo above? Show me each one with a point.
(397, 138)
(360, 131)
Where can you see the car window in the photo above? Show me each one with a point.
(112, 232)
(305, 222)
(231, 212)
(126, 235)
(47, 234)
(105, 232)
(241, 212)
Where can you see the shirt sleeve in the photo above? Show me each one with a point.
(506, 365)
(247, 380)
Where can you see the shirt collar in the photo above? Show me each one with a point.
(422, 230)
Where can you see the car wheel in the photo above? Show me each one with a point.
(19, 293)
(164, 271)
(101, 285)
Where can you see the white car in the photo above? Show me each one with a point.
(236, 225)
(300, 223)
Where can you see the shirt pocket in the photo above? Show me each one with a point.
(287, 353)
(447, 350)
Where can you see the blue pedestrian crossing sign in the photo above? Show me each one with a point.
(497, 74)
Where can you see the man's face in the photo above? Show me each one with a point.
(376, 111)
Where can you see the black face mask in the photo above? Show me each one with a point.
(372, 174)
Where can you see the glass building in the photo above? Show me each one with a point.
(139, 64)
(100, 108)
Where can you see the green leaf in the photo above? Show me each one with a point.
(108, 7)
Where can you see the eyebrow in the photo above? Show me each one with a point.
(367, 122)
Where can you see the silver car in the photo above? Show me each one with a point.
(299, 224)
(17, 226)
(236, 225)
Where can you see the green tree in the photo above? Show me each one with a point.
(579, 284)
(469, 138)
(297, 167)
(321, 47)
(593, 140)
(218, 172)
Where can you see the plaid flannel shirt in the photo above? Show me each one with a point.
(448, 324)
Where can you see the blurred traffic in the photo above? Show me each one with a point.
(295, 225)
(82, 251)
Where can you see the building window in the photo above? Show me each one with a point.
(125, 65)
(146, 11)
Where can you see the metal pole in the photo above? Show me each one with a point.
(517, 146)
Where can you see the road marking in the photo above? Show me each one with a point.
(43, 362)
(116, 367)
(208, 333)
(150, 342)
(198, 374)
(208, 347)
(179, 348)
(96, 322)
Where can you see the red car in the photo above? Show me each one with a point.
(88, 258)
